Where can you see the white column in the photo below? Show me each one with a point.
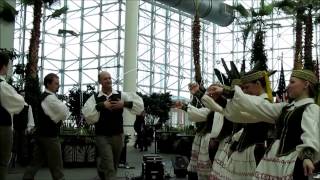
(130, 59)
(7, 34)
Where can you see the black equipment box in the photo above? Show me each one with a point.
(152, 167)
(180, 164)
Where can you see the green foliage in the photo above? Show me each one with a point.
(75, 105)
(241, 10)
(32, 95)
(258, 56)
(57, 13)
(11, 53)
(157, 104)
(288, 6)
(7, 12)
(27, 2)
(266, 10)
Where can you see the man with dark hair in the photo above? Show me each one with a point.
(104, 110)
(52, 112)
(10, 103)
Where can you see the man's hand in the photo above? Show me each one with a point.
(107, 104)
(115, 105)
(308, 167)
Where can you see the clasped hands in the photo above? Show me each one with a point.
(215, 91)
(113, 105)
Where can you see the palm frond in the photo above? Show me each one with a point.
(266, 10)
(242, 10)
(253, 12)
(285, 3)
(247, 29)
(27, 2)
(59, 12)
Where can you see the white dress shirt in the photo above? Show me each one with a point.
(9, 98)
(91, 114)
(54, 108)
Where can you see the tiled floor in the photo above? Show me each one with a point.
(134, 159)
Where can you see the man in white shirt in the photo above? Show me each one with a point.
(105, 110)
(10, 103)
(48, 147)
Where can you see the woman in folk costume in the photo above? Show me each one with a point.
(297, 143)
(215, 128)
(200, 164)
(244, 155)
(223, 130)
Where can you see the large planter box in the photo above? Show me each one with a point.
(78, 151)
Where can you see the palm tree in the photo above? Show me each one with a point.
(302, 9)
(196, 28)
(32, 86)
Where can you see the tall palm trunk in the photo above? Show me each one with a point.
(298, 43)
(196, 48)
(32, 87)
(317, 69)
(308, 63)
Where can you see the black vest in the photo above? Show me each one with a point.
(201, 127)
(5, 117)
(226, 130)
(110, 122)
(45, 126)
(289, 129)
(253, 133)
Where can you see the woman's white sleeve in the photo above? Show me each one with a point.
(197, 114)
(253, 105)
(310, 126)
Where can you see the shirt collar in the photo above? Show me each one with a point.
(48, 91)
(302, 102)
(3, 77)
(103, 94)
(264, 95)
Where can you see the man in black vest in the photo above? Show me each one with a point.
(48, 148)
(104, 110)
(10, 103)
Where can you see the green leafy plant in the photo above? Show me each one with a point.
(157, 105)
(76, 100)
(7, 12)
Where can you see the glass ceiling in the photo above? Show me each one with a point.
(164, 44)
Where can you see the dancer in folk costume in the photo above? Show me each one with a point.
(200, 164)
(248, 151)
(228, 132)
(216, 129)
(220, 129)
(297, 144)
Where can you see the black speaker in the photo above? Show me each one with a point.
(180, 164)
(152, 167)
